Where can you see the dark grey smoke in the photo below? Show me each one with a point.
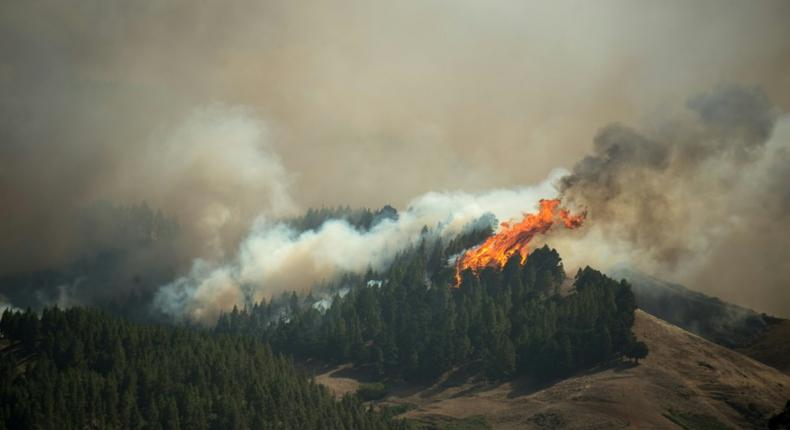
(615, 149)
(745, 112)
(697, 191)
(733, 119)
(605, 180)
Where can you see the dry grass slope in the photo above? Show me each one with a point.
(773, 346)
(686, 382)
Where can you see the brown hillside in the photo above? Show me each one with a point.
(685, 381)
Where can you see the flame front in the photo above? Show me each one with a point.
(512, 238)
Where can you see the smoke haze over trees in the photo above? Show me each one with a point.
(408, 324)
(228, 118)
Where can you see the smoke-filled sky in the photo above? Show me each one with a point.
(220, 112)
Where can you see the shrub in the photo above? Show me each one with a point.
(374, 391)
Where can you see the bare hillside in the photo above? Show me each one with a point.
(686, 382)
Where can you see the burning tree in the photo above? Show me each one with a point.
(515, 238)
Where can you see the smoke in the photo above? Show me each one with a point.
(684, 195)
(4, 305)
(209, 175)
(213, 172)
(699, 197)
(216, 169)
(360, 103)
(275, 257)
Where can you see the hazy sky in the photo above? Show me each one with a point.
(218, 111)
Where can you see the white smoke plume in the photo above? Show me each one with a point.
(700, 192)
(4, 305)
(217, 170)
(275, 257)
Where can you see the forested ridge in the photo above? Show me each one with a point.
(361, 218)
(124, 254)
(81, 368)
(411, 322)
(85, 368)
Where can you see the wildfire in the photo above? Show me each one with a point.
(512, 238)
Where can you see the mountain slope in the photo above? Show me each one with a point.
(759, 336)
(721, 322)
(685, 380)
(772, 346)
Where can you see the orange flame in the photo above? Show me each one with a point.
(497, 249)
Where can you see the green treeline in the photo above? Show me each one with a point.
(82, 368)
(362, 219)
(411, 323)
